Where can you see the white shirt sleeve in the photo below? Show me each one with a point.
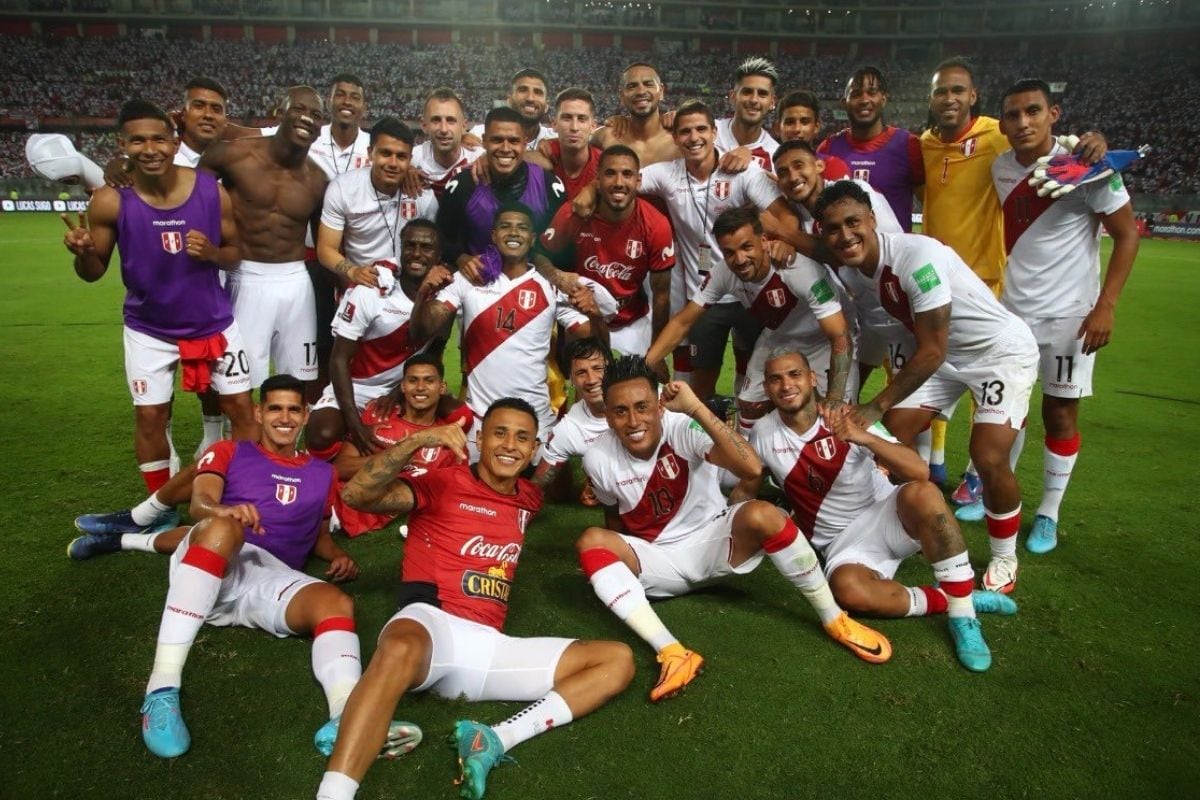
(334, 210)
(928, 285)
(760, 188)
(718, 283)
(356, 312)
(687, 436)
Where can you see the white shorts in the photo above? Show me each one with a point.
(478, 662)
(362, 396)
(276, 309)
(875, 539)
(815, 348)
(1001, 381)
(1066, 371)
(256, 590)
(633, 339)
(150, 365)
(671, 570)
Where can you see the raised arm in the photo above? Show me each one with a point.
(375, 487)
(91, 241)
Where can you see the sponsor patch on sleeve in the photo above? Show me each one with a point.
(927, 278)
(822, 291)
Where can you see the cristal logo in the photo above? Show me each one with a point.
(477, 547)
(613, 271)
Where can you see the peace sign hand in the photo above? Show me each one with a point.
(78, 239)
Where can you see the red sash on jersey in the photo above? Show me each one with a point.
(493, 326)
(661, 498)
(375, 356)
(774, 303)
(893, 298)
(820, 461)
(1022, 208)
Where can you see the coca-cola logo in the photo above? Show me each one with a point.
(478, 547)
(614, 271)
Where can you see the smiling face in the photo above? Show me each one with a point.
(788, 382)
(799, 174)
(587, 376)
(617, 180)
(848, 230)
(694, 137)
(150, 145)
(444, 123)
(302, 119)
(422, 388)
(512, 233)
(528, 98)
(641, 91)
(753, 99)
(282, 415)
(504, 142)
(1027, 121)
(865, 101)
(419, 250)
(347, 102)
(390, 159)
(798, 122)
(635, 416)
(745, 254)
(204, 116)
(951, 95)
(506, 443)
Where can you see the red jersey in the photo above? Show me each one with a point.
(389, 430)
(616, 256)
(835, 168)
(464, 540)
(584, 177)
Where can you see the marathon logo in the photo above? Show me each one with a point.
(492, 585)
(167, 223)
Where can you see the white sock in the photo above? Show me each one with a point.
(336, 663)
(619, 589)
(1007, 524)
(971, 469)
(797, 562)
(174, 458)
(190, 597)
(1056, 475)
(336, 786)
(213, 430)
(918, 604)
(924, 445)
(148, 510)
(549, 712)
(143, 542)
(1014, 455)
(956, 579)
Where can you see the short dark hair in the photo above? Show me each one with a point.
(794, 144)
(503, 114)
(862, 73)
(588, 347)
(838, 191)
(641, 64)
(350, 78)
(629, 368)
(393, 127)
(803, 98)
(424, 359)
(142, 109)
(694, 106)
(528, 72)
(957, 62)
(575, 93)
(757, 65)
(734, 219)
(282, 382)
(445, 94)
(206, 83)
(513, 207)
(618, 150)
(421, 222)
(1028, 85)
(515, 403)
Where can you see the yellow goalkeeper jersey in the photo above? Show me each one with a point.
(961, 208)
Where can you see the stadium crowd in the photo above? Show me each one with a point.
(552, 246)
(79, 77)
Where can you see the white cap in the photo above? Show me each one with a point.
(55, 158)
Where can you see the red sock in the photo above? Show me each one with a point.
(1063, 447)
(935, 599)
(595, 559)
(326, 453)
(782, 537)
(155, 474)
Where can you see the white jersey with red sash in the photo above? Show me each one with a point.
(381, 326)
(506, 336)
(666, 497)
(828, 482)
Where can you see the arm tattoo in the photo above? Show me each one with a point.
(839, 367)
(546, 474)
(375, 488)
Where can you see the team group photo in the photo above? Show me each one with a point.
(827, 374)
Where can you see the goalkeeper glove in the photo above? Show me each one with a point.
(1063, 173)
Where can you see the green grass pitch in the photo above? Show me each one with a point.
(1093, 691)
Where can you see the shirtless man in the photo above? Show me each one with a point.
(276, 191)
(643, 130)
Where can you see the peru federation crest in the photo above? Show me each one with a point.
(668, 467)
(172, 242)
(285, 493)
(526, 299)
(721, 190)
